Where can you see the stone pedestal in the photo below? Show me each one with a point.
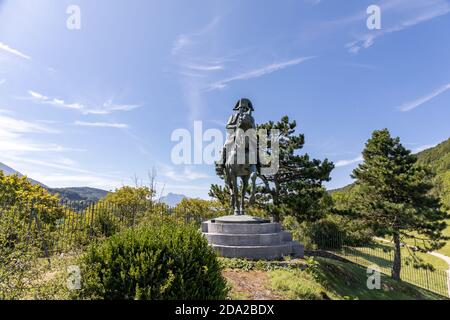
(251, 238)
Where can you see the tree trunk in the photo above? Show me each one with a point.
(276, 217)
(276, 202)
(397, 263)
(276, 209)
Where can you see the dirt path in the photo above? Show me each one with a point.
(446, 259)
(252, 285)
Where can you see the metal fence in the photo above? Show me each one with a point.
(73, 225)
(70, 225)
(381, 254)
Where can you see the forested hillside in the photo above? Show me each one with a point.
(438, 158)
(77, 194)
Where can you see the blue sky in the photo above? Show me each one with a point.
(97, 106)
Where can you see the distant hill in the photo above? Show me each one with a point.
(80, 194)
(436, 158)
(172, 199)
(70, 194)
(343, 189)
(9, 171)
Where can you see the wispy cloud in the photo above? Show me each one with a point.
(13, 51)
(422, 100)
(101, 124)
(187, 174)
(108, 107)
(258, 72)
(205, 67)
(40, 98)
(314, 2)
(182, 41)
(61, 172)
(24, 146)
(2, 81)
(5, 111)
(12, 126)
(13, 137)
(60, 163)
(407, 14)
(344, 163)
(187, 39)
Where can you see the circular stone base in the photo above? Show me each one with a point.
(239, 219)
(250, 238)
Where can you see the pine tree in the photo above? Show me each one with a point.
(296, 188)
(394, 196)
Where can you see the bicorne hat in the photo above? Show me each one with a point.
(244, 102)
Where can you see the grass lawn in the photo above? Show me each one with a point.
(51, 280)
(381, 256)
(318, 279)
(444, 250)
(323, 279)
(382, 250)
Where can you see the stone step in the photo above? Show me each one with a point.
(264, 239)
(240, 228)
(259, 252)
(298, 250)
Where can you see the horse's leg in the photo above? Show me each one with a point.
(229, 183)
(244, 180)
(253, 177)
(235, 194)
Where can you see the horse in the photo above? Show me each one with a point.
(247, 170)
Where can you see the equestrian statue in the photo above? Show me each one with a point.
(239, 156)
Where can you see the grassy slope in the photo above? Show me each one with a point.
(381, 256)
(446, 249)
(347, 280)
(383, 253)
(324, 279)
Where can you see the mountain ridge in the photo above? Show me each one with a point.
(172, 199)
(10, 171)
(67, 194)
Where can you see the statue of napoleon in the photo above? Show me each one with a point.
(239, 155)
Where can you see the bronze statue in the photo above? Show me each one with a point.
(239, 155)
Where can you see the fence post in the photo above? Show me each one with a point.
(448, 282)
(30, 223)
(39, 230)
(91, 224)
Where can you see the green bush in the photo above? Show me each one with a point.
(163, 260)
(326, 234)
(331, 232)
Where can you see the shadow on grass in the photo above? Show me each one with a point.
(349, 281)
(373, 255)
